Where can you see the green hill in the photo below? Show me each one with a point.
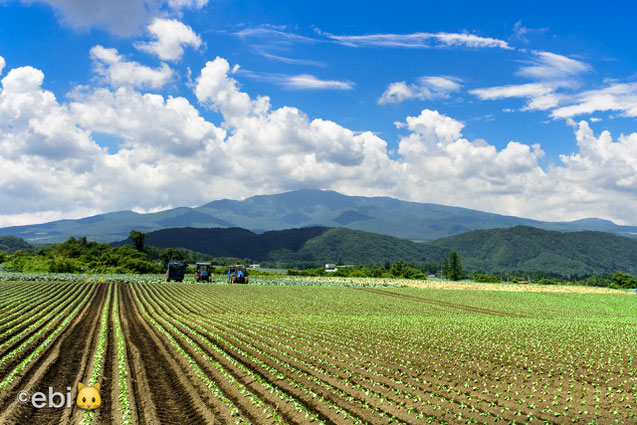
(311, 244)
(519, 248)
(12, 244)
(530, 249)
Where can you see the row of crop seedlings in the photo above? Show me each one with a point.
(231, 368)
(346, 404)
(32, 326)
(305, 374)
(367, 383)
(294, 392)
(18, 292)
(15, 300)
(68, 313)
(399, 371)
(397, 389)
(308, 412)
(35, 322)
(97, 365)
(363, 370)
(17, 307)
(216, 391)
(122, 365)
(25, 317)
(507, 400)
(203, 291)
(14, 289)
(510, 372)
(287, 331)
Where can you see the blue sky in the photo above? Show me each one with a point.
(526, 110)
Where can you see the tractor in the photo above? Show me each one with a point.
(237, 274)
(202, 272)
(176, 271)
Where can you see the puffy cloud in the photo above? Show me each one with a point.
(122, 17)
(118, 72)
(178, 130)
(170, 38)
(283, 148)
(45, 158)
(171, 155)
(2, 64)
(427, 88)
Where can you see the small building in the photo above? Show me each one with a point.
(330, 268)
(254, 266)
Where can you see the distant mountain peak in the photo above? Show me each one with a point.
(302, 208)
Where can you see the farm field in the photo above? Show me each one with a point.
(262, 354)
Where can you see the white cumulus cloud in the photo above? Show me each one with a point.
(2, 64)
(170, 36)
(171, 155)
(118, 72)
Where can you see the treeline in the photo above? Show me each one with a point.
(78, 255)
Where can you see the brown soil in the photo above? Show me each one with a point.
(164, 392)
(63, 367)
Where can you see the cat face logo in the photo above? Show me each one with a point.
(88, 398)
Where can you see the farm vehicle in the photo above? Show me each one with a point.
(202, 272)
(176, 271)
(237, 274)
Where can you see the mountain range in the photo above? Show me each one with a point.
(303, 208)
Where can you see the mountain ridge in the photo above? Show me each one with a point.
(303, 208)
(515, 249)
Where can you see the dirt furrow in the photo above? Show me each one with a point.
(62, 368)
(163, 390)
(440, 303)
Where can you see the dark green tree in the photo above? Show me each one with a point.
(452, 268)
(138, 239)
(623, 280)
(397, 269)
(169, 254)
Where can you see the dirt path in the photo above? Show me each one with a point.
(463, 307)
